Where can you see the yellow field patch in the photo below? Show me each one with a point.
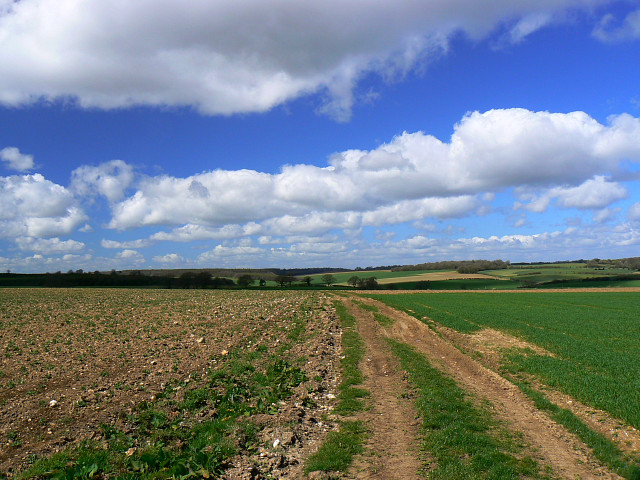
(433, 276)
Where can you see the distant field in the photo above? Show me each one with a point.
(385, 277)
(434, 276)
(547, 273)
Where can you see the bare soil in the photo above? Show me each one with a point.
(391, 417)
(73, 360)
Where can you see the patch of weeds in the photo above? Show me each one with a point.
(336, 453)
(463, 440)
(367, 307)
(163, 442)
(14, 439)
(353, 351)
(383, 319)
(338, 449)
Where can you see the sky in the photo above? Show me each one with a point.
(293, 133)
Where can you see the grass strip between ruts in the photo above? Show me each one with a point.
(336, 453)
(604, 449)
(461, 438)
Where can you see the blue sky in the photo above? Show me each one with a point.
(289, 134)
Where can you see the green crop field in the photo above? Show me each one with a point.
(594, 338)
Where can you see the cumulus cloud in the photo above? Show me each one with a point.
(228, 57)
(33, 206)
(110, 179)
(140, 243)
(169, 258)
(610, 30)
(595, 193)
(634, 212)
(48, 245)
(16, 160)
(414, 176)
(191, 232)
(130, 256)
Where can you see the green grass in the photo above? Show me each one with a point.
(383, 319)
(603, 448)
(594, 338)
(337, 451)
(353, 350)
(461, 438)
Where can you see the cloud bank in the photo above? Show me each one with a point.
(225, 57)
(560, 157)
(305, 214)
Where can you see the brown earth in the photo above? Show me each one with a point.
(556, 447)
(98, 353)
(391, 418)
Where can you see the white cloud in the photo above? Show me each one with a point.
(169, 258)
(634, 212)
(191, 232)
(414, 176)
(33, 206)
(48, 245)
(595, 193)
(110, 179)
(222, 251)
(130, 256)
(140, 243)
(16, 160)
(409, 210)
(605, 215)
(227, 57)
(609, 30)
(528, 25)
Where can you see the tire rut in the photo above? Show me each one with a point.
(391, 419)
(554, 445)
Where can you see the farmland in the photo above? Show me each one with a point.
(103, 383)
(155, 381)
(582, 344)
(592, 338)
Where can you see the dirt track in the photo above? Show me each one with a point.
(392, 419)
(556, 447)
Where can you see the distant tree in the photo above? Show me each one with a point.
(285, 280)
(328, 279)
(186, 280)
(369, 283)
(262, 282)
(353, 281)
(245, 280)
(307, 280)
(202, 279)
